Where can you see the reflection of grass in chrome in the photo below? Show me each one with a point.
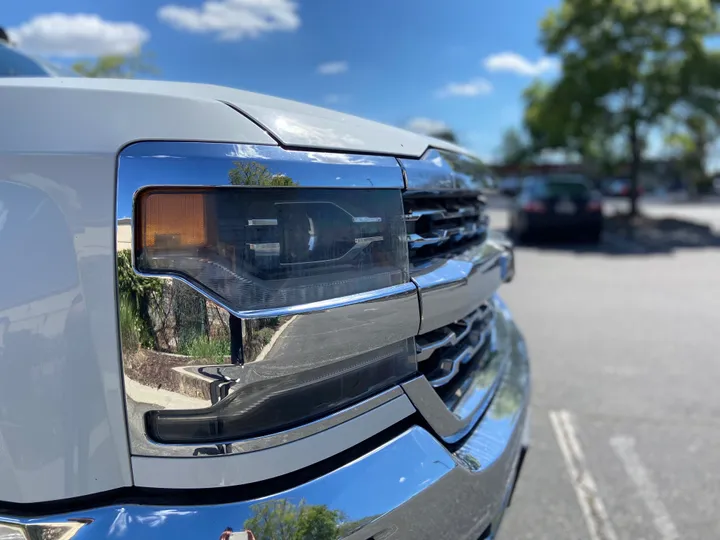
(209, 348)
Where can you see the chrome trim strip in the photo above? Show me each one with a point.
(181, 163)
(300, 309)
(430, 172)
(443, 170)
(440, 236)
(245, 468)
(441, 213)
(425, 488)
(451, 288)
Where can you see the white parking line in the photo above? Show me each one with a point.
(596, 517)
(625, 449)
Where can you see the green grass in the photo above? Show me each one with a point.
(129, 325)
(215, 349)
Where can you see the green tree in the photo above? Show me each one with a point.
(137, 293)
(584, 135)
(626, 65)
(252, 173)
(276, 520)
(515, 149)
(317, 522)
(117, 66)
(280, 519)
(690, 145)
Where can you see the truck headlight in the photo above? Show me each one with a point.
(319, 261)
(271, 248)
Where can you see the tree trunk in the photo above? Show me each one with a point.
(635, 159)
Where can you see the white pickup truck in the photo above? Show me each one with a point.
(222, 310)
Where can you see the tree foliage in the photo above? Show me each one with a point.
(515, 149)
(280, 519)
(136, 294)
(627, 64)
(317, 522)
(252, 173)
(117, 66)
(691, 144)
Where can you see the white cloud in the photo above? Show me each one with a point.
(81, 34)
(426, 126)
(474, 87)
(332, 68)
(515, 63)
(233, 19)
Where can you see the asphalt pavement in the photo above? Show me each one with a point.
(625, 351)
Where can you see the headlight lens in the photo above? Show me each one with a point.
(270, 248)
(265, 253)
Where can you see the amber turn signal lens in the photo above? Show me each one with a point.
(171, 220)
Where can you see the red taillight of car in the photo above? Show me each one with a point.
(535, 207)
(594, 206)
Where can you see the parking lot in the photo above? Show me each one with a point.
(625, 351)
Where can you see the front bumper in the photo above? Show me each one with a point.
(412, 486)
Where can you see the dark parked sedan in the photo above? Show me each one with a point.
(556, 205)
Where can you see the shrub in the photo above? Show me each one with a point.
(139, 292)
(129, 325)
(215, 349)
(189, 310)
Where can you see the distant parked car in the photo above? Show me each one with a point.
(557, 204)
(16, 63)
(510, 186)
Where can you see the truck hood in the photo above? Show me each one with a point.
(305, 126)
(290, 123)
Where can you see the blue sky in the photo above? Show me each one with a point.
(416, 63)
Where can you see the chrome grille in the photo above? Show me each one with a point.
(439, 223)
(443, 353)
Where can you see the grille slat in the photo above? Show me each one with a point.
(450, 335)
(438, 223)
(449, 367)
(442, 352)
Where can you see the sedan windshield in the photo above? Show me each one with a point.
(561, 188)
(14, 63)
